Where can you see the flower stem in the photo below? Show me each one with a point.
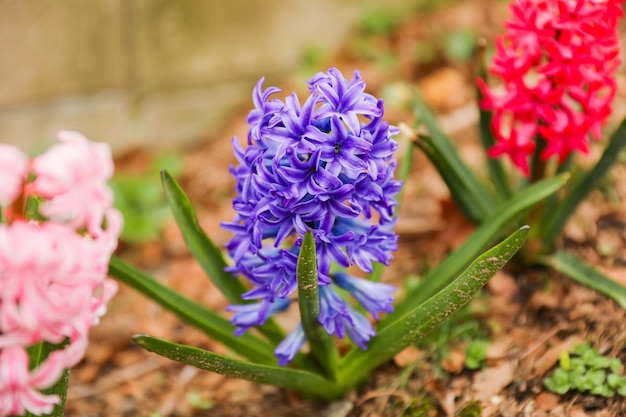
(322, 345)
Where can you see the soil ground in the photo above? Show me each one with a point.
(527, 317)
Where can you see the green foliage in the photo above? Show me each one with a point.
(140, 199)
(322, 374)
(459, 45)
(585, 370)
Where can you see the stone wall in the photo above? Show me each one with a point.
(150, 72)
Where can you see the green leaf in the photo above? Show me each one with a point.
(581, 189)
(193, 313)
(416, 323)
(582, 273)
(322, 345)
(476, 354)
(470, 194)
(485, 235)
(36, 355)
(558, 382)
(207, 254)
(302, 381)
(202, 248)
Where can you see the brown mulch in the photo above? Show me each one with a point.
(528, 317)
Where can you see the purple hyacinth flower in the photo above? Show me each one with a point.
(375, 297)
(360, 330)
(322, 165)
(333, 311)
(289, 347)
(337, 317)
(255, 314)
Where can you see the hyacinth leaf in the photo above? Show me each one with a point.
(200, 245)
(305, 382)
(322, 345)
(585, 185)
(206, 252)
(205, 320)
(469, 193)
(60, 389)
(571, 266)
(461, 195)
(483, 236)
(416, 323)
(37, 354)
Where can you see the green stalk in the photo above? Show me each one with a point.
(322, 345)
(581, 189)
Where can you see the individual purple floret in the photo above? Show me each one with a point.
(323, 165)
(254, 314)
(373, 296)
(288, 348)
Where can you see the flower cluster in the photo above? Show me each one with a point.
(323, 166)
(57, 233)
(557, 61)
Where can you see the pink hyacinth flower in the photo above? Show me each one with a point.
(73, 176)
(53, 274)
(13, 170)
(53, 282)
(557, 60)
(19, 386)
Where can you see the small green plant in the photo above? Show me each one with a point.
(476, 354)
(462, 327)
(140, 199)
(471, 409)
(198, 401)
(585, 370)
